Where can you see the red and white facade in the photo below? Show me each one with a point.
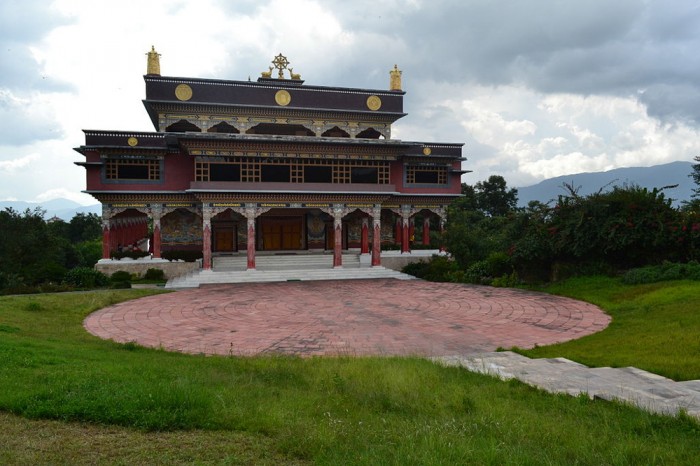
(241, 167)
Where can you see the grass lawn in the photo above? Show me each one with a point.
(655, 327)
(67, 397)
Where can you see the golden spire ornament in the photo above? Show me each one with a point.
(153, 66)
(395, 79)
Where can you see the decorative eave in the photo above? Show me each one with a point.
(130, 141)
(461, 172)
(155, 107)
(278, 94)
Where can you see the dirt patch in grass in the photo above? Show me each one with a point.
(25, 441)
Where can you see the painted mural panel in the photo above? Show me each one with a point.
(181, 228)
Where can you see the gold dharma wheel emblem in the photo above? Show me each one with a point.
(132, 141)
(283, 98)
(427, 151)
(374, 102)
(183, 92)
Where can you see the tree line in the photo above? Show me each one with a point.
(35, 251)
(491, 240)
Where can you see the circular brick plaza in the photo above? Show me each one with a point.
(350, 317)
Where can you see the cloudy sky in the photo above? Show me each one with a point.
(535, 88)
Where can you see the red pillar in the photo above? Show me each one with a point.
(426, 231)
(106, 241)
(442, 231)
(376, 243)
(251, 244)
(405, 245)
(338, 242)
(206, 246)
(156, 239)
(365, 236)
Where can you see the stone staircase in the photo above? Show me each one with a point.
(640, 388)
(280, 268)
(283, 262)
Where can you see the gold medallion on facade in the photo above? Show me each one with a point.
(132, 141)
(183, 92)
(374, 102)
(283, 98)
(427, 151)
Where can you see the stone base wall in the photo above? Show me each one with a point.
(394, 260)
(170, 269)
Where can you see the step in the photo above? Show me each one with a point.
(284, 262)
(194, 280)
(558, 375)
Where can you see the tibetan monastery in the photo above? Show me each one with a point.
(245, 167)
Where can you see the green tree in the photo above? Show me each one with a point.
(494, 198)
(84, 227)
(31, 249)
(478, 222)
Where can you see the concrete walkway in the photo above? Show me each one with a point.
(559, 375)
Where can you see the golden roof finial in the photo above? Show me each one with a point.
(153, 66)
(395, 79)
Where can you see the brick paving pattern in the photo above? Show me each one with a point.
(348, 317)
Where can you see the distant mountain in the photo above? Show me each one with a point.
(657, 176)
(61, 208)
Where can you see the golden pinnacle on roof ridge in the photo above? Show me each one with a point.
(153, 62)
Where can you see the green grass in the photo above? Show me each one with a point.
(655, 327)
(62, 387)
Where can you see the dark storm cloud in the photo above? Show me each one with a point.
(23, 24)
(623, 48)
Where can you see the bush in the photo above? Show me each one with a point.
(85, 277)
(154, 274)
(437, 269)
(478, 272)
(184, 255)
(664, 272)
(120, 276)
(132, 254)
(120, 284)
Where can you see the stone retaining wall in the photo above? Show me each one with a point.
(171, 269)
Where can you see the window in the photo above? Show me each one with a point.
(275, 173)
(224, 172)
(318, 174)
(280, 170)
(132, 169)
(364, 175)
(426, 174)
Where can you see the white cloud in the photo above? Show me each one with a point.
(11, 166)
(491, 88)
(64, 193)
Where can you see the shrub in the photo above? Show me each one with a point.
(185, 255)
(478, 272)
(154, 274)
(85, 277)
(437, 269)
(132, 254)
(664, 272)
(506, 281)
(120, 284)
(120, 276)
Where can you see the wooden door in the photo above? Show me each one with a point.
(271, 236)
(282, 233)
(223, 241)
(291, 234)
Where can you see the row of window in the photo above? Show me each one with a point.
(296, 171)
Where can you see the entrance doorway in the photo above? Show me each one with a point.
(224, 237)
(282, 233)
